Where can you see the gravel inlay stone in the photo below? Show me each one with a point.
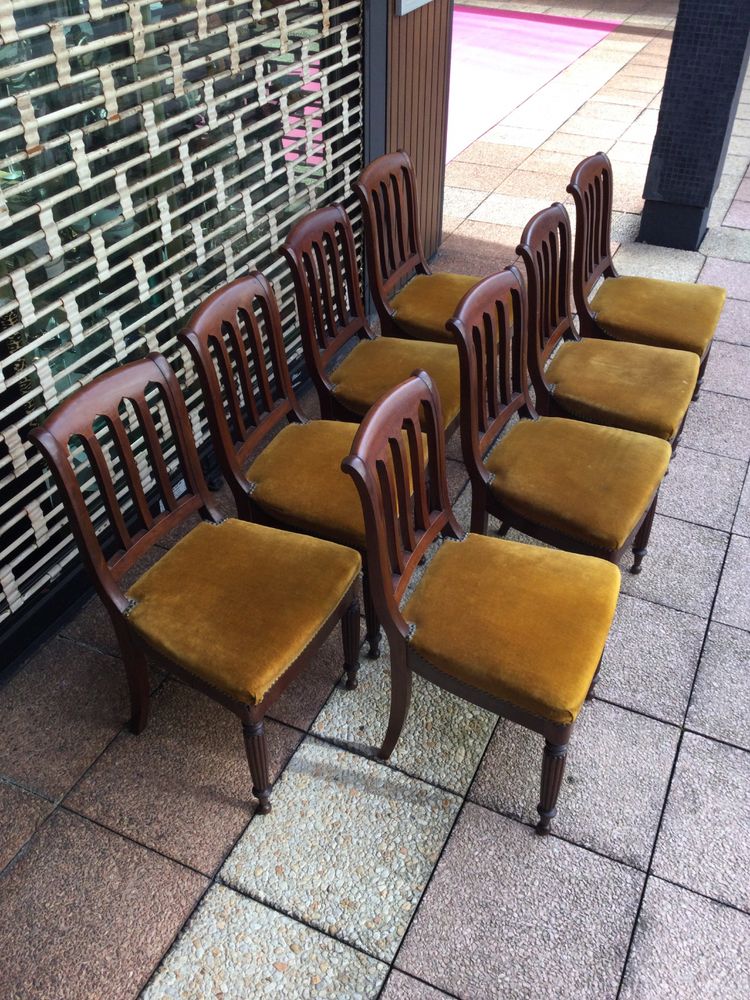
(650, 658)
(236, 948)
(720, 424)
(703, 842)
(443, 737)
(731, 244)
(728, 369)
(689, 947)
(510, 914)
(401, 987)
(742, 517)
(733, 275)
(614, 784)
(682, 567)
(20, 815)
(720, 705)
(733, 599)
(508, 210)
(648, 261)
(348, 847)
(462, 201)
(702, 488)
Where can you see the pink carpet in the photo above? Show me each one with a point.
(501, 58)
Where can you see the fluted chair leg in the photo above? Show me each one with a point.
(257, 757)
(350, 635)
(553, 766)
(640, 545)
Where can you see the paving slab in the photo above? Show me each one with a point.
(733, 599)
(742, 517)
(730, 274)
(720, 424)
(728, 369)
(21, 813)
(720, 703)
(702, 488)
(403, 987)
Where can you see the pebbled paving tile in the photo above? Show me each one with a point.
(720, 704)
(20, 815)
(732, 605)
(702, 488)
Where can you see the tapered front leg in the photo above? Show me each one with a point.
(350, 636)
(553, 767)
(640, 545)
(257, 757)
(371, 620)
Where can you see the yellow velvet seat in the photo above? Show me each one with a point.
(632, 386)
(522, 623)
(236, 603)
(425, 305)
(590, 482)
(375, 366)
(297, 479)
(660, 313)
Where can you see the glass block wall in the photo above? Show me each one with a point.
(148, 153)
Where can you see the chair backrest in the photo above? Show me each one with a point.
(591, 188)
(236, 341)
(387, 457)
(545, 251)
(321, 253)
(118, 448)
(489, 326)
(387, 192)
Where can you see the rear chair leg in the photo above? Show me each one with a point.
(640, 545)
(136, 670)
(553, 766)
(371, 620)
(350, 635)
(257, 757)
(400, 701)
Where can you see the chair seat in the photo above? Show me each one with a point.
(632, 386)
(589, 482)
(660, 313)
(425, 305)
(521, 623)
(237, 603)
(298, 480)
(375, 366)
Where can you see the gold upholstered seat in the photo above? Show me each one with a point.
(633, 386)
(660, 313)
(422, 308)
(237, 603)
(521, 634)
(589, 482)
(375, 366)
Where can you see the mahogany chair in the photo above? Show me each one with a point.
(630, 308)
(234, 609)
(283, 469)
(387, 192)
(577, 486)
(514, 628)
(632, 386)
(320, 251)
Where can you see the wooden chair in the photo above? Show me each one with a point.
(633, 386)
(577, 486)
(234, 609)
(320, 251)
(633, 309)
(387, 192)
(283, 469)
(514, 628)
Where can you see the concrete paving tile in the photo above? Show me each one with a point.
(402, 987)
(730, 274)
(236, 948)
(659, 262)
(59, 712)
(720, 424)
(547, 162)
(535, 184)
(491, 154)
(567, 142)
(182, 787)
(596, 108)
(687, 946)
(444, 736)
(613, 790)
(21, 813)
(739, 145)
(462, 201)
(508, 210)
(632, 98)
(510, 914)
(734, 323)
(348, 847)
(510, 135)
(650, 658)
(475, 176)
(625, 226)
(742, 517)
(743, 191)
(733, 599)
(728, 370)
(702, 488)
(682, 567)
(720, 704)
(738, 215)
(597, 129)
(86, 913)
(703, 843)
(630, 152)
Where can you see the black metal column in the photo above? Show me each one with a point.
(706, 69)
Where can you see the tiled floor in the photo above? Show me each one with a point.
(136, 862)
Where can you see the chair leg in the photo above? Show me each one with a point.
(701, 374)
(371, 620)
(350, 636)
(400, 701)
(257, 757)
(553, 766)
(136, 670)
(640, 545)
(479, 518)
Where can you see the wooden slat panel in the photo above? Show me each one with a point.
(417, 114)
